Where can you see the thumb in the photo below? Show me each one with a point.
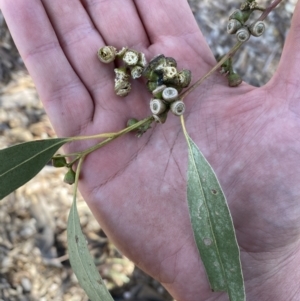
(287, 76)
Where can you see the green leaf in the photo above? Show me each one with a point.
(213, 227)
(80, 258)
(20, 163)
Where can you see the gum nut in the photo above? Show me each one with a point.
(169, 73)
(178, 108)
(243, 34)
(151, 85)
(185, 77)
(171, 62)
(257, 29)
(170, 94)
(121, 74)
(122, 88)
(136, 72)
(157, 106)
(233, 26)
(157, 92)
(130, 58)
(107, 54)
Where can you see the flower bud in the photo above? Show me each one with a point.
(70, 176)
(107, 54)
(59, 161)
(131, 122)
(234, 80)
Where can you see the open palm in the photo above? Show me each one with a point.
(136, 187)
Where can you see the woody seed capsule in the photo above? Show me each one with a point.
(107, 54)
(170, 94)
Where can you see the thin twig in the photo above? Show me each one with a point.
(268, 10)
(230, 54)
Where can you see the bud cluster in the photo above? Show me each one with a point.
(59, 161)
(237, 22)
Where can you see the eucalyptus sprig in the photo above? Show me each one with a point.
(209, 213)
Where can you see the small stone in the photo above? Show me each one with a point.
(26, 285)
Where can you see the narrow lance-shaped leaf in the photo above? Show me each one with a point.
(80, 258)
(213, 227)
(20, 163)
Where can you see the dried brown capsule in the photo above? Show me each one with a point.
(121, 52)
(131, 57)
(107, 54)
(121, 74)
(136, 72)
(169, 73)
(142, 60)
(122, 88)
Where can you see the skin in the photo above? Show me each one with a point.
(136, 188)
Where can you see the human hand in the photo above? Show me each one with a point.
(136, 188)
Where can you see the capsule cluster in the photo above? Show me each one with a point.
(164, 81)
(133, 66)
(237, 23)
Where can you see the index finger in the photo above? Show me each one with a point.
(171, 24)
(58, 85)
